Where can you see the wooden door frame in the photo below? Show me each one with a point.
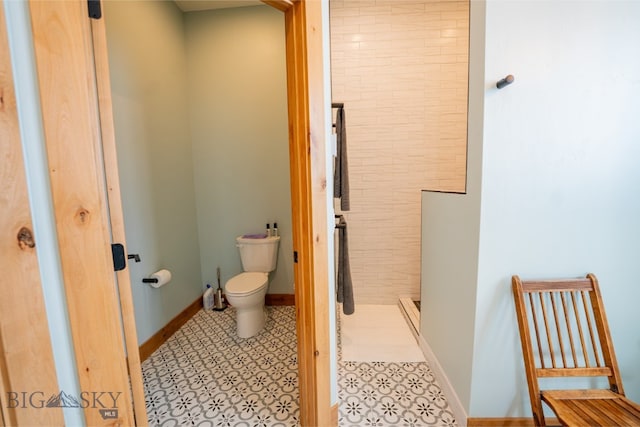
(307, 143)
(305, 94)
(116, 213)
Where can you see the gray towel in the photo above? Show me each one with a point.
(345, 287)
(341, 170)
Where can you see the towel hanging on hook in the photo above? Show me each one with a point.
(344, 285)
(341, 166)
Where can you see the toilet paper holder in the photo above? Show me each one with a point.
(158, 279)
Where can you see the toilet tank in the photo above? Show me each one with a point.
(258, 254)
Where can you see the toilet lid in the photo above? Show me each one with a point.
(245, 283)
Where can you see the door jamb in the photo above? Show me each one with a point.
(308, 184)
(303, 33)
(116, 214)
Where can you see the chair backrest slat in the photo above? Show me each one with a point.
(546, 327)
(579, 327)
(535, 324)
(569, 328)
(553, 298)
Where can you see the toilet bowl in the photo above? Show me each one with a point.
(246, 291)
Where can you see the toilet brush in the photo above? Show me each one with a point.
(218, 301)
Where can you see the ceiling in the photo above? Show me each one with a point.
(195, 5)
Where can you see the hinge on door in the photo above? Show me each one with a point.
(95, 9)
(119, 258)
(295, 257)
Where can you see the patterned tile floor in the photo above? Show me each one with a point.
(204, 375)
(381, 394)
(391, 394)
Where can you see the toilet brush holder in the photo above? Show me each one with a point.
(218, 299)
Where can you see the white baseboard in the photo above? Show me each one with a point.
(448, 390)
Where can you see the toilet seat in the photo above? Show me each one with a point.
(245, 284)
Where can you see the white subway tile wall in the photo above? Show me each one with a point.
(401, 69)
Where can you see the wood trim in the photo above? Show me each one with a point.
(105, 107)
(282, 5)
(298, 111)
(305, 94)
(334, 415)
(306, 108)
(152, 344)
(318, 137)
(507, 422)
(69, 104)
(26, 355)
(280, 299)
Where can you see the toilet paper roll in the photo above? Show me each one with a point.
(163, 276)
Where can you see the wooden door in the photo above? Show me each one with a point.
(27, 369)
(63, 43)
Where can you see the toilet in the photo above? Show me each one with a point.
(246, 290)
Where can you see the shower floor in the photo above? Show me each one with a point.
(378, 333)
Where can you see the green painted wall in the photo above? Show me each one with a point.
(148, 76)
(202, 135)
(237, 88)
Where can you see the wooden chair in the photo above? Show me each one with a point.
(570, 338)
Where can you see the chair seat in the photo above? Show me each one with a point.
(592, 408)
